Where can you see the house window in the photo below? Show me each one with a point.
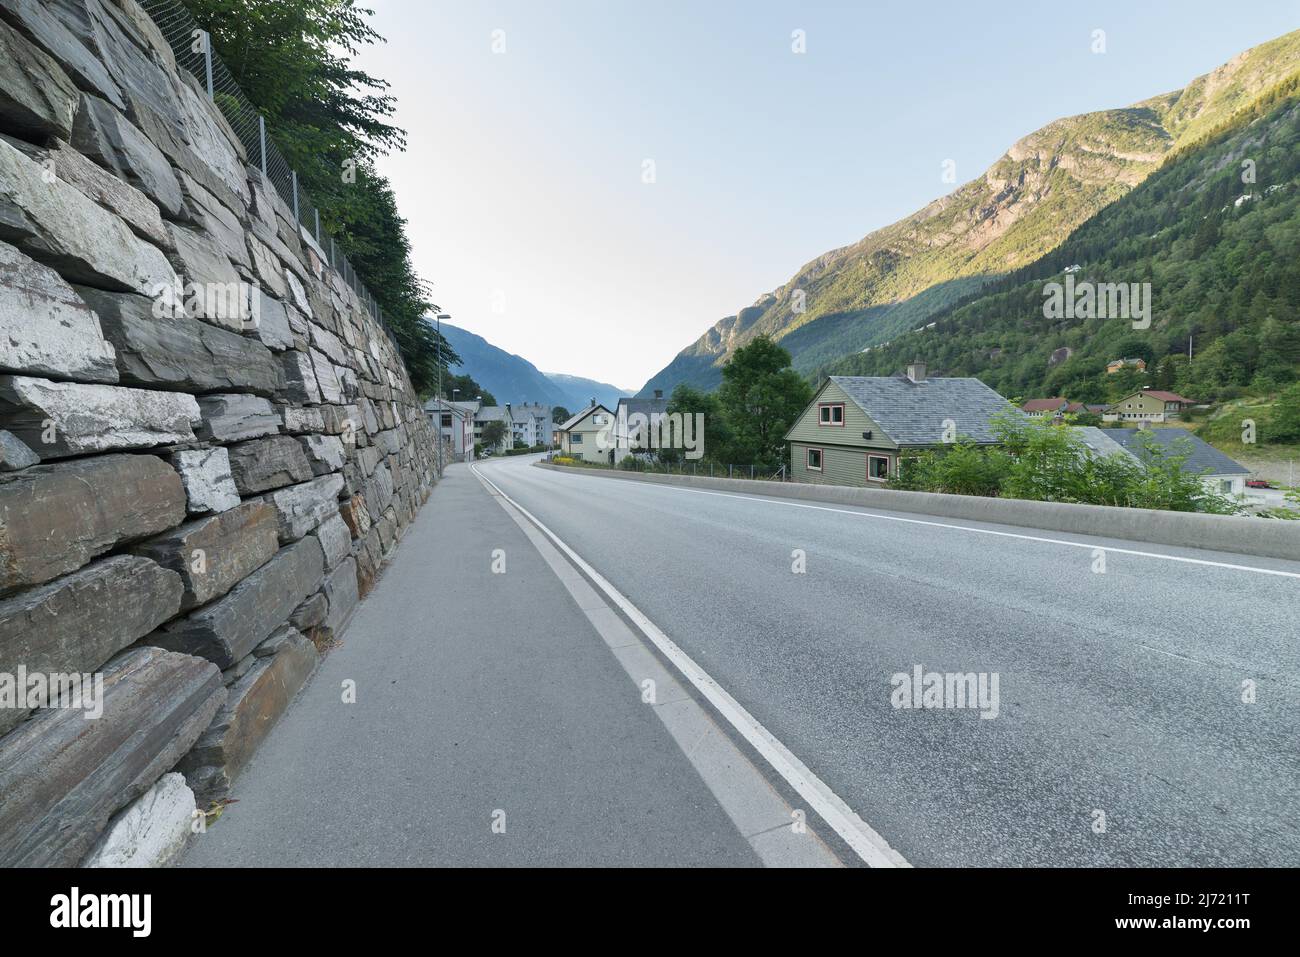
(446, 420)
(575, 438)
(814, 460)
(878, 467)
(831, 413)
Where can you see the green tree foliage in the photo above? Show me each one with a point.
(688, 400)
(1048, 463)
(760, 397)
(465, 389)
(292, 59)
(560, 414)
(493, 434)
(1283, 424)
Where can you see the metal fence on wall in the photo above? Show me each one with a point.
(189, 42)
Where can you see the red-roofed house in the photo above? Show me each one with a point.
(1148, 405)
(1045, 408)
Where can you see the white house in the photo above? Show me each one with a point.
(454, 421)
(542, 426)
(588, 435)
(1218, 472)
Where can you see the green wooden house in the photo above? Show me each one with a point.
(856, 427)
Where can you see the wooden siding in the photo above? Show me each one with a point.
(841, 465)
(808, 431)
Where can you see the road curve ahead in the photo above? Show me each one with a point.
(1145, 710)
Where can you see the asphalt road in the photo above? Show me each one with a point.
(1120, 692)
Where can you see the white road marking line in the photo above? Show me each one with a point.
(865, 841)
(744, 793)
(773, 500)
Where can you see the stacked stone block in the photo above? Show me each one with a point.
(195, 489)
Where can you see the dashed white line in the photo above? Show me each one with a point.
(842, 819)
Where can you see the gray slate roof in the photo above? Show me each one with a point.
(912, 413)
(578, 417)
(647, 407)
(1100, 441)
(1203, 458)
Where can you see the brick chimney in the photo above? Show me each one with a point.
(916, 371)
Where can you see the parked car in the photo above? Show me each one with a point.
(1258, 483)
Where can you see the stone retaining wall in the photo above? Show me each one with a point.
(192, 499)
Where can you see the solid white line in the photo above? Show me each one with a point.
(843, 820)
(773, 500)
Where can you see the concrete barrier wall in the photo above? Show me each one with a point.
(1267, 538)
(195, 490)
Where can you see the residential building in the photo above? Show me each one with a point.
(857, 427)
(1101, 442)
(1148, 405)
(588, 435)
(542, 427)
(632, 435)
(494, 413)
(1046, 408)
(1218, 472)
(454, 422)
(1082, 408)
(1115, 365)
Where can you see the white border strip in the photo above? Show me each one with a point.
(842, 819)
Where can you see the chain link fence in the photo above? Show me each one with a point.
(193, 51)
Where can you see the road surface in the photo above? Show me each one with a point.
(1122, 736)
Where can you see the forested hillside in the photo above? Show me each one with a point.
(1215, 231)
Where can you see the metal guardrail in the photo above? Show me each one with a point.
(193, 51)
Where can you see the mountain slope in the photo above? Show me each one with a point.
(581, 391)
(1222, 257)
(1045, 186)
(511, 378)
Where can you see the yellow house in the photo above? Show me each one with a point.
(588, 435)
(1148, 405)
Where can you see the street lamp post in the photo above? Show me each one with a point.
(440, 316)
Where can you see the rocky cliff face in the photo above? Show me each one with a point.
(1045, 186)
(208, 446)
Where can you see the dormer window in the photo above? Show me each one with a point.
(830, 413)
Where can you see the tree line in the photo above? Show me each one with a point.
(293, 60)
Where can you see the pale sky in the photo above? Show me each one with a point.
(523, 176)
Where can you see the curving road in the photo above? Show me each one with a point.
(1121, 737)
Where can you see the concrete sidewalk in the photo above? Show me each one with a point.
(476, 693)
